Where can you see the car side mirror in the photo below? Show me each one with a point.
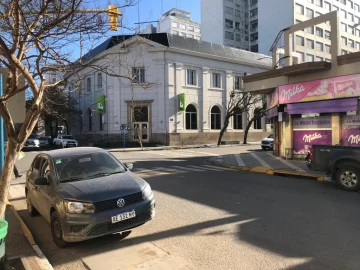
(130, 166)
(41, 181)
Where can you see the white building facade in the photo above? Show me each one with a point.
(179, 95)
(264, 19)
(178, 22)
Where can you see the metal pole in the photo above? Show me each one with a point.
(123, 138)
(2, 141)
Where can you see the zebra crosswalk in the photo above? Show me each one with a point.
(142, 172)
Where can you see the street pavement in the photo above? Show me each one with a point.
(216, 218)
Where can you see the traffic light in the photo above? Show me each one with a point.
(113, 13)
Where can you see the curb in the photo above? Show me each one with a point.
(177, 147)
(270, 171)
(40, 259)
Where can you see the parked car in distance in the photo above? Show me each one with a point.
(86, 193)
(44, 141)
(64, 141)
(268, 143)
(32, 142)
(341, 163)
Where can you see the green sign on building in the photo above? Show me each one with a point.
(182, 102)
(100, 103)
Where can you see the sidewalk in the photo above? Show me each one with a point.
(265, 162)
(176, 147)
(21, 246)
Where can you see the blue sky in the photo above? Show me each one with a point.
(150, 10)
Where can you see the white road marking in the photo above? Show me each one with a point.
(189, 168)
(215, 168)
(198, 152)
(239, 160)
(260, 160)
(287, 163)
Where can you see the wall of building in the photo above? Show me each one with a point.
(212, 21)
(271, 23)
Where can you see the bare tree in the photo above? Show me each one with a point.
(240, 102)
(34, 35)
(259, 112)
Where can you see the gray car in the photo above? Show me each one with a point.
(86, 193)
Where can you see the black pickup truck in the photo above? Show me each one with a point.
(341, 163)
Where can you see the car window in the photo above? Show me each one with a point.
(33, 136)
(68, 137)
(45, 169)
(86, 166)
(37, 163)
(271, 136)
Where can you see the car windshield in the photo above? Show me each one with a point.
(82, 167)
(33, 136)
(43, 138)
(68, 137)
(271, 136)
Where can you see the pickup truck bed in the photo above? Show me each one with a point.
(342, 163)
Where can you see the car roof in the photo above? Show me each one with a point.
(60, 153)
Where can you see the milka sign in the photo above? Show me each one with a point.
(309, 138)
(351, 137)
(330, 88)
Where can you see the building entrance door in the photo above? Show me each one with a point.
(140, 123)
(141, 131)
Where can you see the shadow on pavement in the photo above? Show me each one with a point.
(289, 217)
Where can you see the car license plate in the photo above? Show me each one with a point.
(123, 216)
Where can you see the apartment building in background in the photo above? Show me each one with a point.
(249, 25)
(176, 22)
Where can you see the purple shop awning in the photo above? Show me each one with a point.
(325, 106)
(273, 112)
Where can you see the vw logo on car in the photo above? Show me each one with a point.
(120, 202)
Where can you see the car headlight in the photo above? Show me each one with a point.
(146, 192)
(79, 208)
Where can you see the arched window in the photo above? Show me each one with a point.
(215, 118)
(257, 119)
(238, 123)
(191, 117)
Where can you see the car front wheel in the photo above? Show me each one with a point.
(56, 231)
(348, 178)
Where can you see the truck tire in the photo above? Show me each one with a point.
(348, 178)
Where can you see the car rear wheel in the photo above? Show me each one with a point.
(56, 231)
(122, 235)
(348, 178)
(30, 208)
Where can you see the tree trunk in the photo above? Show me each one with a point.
(222, 131)
(247, 131)
(67, 127)
(7, 171)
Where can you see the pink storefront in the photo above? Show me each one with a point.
(321, 112)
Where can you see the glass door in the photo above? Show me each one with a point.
(141, 131)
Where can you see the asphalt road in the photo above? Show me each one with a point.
(221, 219)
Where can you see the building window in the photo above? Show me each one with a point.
(301, 56)
(237, 26)
(238, 123)
(317, 14)
(175, 32)
(318, 3)
(257, 119)
(343, 52)
(311, 1)
(216, 80)
(237, 13)
(191, 77)
(327, 6)
(357, 32)
(327, 35)
(318, 58)
(350, 4)
(319, 32)
(299, 9)
(310, 58)
(309, 13)
(343, 2)
(327, 60)
(327, 49)
(237, 38)
(139, 75)
(344, 40)
(190, 36)
(190, 117)
(351, 43)
(299, 41)
(357, 7)
(254, 12)
(197, 30)
(182, 26)
(351, 17)
(358, 45)
(229, 35)
(175, 24)
(229, 24)
(254, 25)
(182, 34)
(255, 48)
(319, 46)
(88, 85)
(351, 30)
(337, 8)
(191, 28)
(99, 80)
(343, 14)
(215, 117)
(343, 27)
(90, 119)
(254, 36)
(309, 44)
(237, 83)
(101, 122)
(229, 10)
(310, 30)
